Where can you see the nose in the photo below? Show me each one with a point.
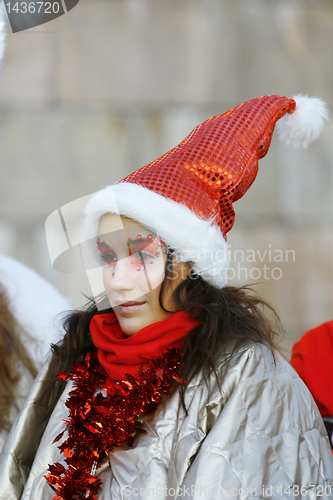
(119, 276)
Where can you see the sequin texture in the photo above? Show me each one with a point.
(216, 164)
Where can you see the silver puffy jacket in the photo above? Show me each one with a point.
(258, 436)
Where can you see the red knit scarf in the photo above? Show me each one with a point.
(119, 354)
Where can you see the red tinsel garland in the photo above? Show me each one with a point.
(98, 423)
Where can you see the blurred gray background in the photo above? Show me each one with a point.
(113, 84)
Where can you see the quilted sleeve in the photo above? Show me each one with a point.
(268, 442)
(23, 440)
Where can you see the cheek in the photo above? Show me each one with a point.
(145, 279)
(108, 272)
(154, 273)
(148, 279)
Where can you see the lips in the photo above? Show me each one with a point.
(130, 306)
(129, 303)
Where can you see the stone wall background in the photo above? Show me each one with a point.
(112, 85)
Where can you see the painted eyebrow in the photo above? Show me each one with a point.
(102, 243)
(142, 243)
(136, 240)
(131, 244)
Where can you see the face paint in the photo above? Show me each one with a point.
(142, 252)
(134, 268)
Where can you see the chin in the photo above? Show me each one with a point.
(130, 323)
(132, 320)
(131, 327)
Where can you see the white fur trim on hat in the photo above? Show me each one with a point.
(305, 124)
(194, 240)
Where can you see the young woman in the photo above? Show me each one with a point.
(174, 389)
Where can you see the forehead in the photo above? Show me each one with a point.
(110, 223)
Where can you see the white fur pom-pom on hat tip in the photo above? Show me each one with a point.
(305, 124)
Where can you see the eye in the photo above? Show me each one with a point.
(107, 257)
(144, 255)
(143, 250)
(105, 252)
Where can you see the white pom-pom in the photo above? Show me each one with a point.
(305, 124)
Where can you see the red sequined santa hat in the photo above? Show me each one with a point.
(187, 195)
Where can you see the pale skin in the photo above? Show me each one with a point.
(133, 272)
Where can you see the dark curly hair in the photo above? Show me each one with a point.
(226, 314)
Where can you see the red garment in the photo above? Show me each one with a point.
(312, 358)
(120, 354)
